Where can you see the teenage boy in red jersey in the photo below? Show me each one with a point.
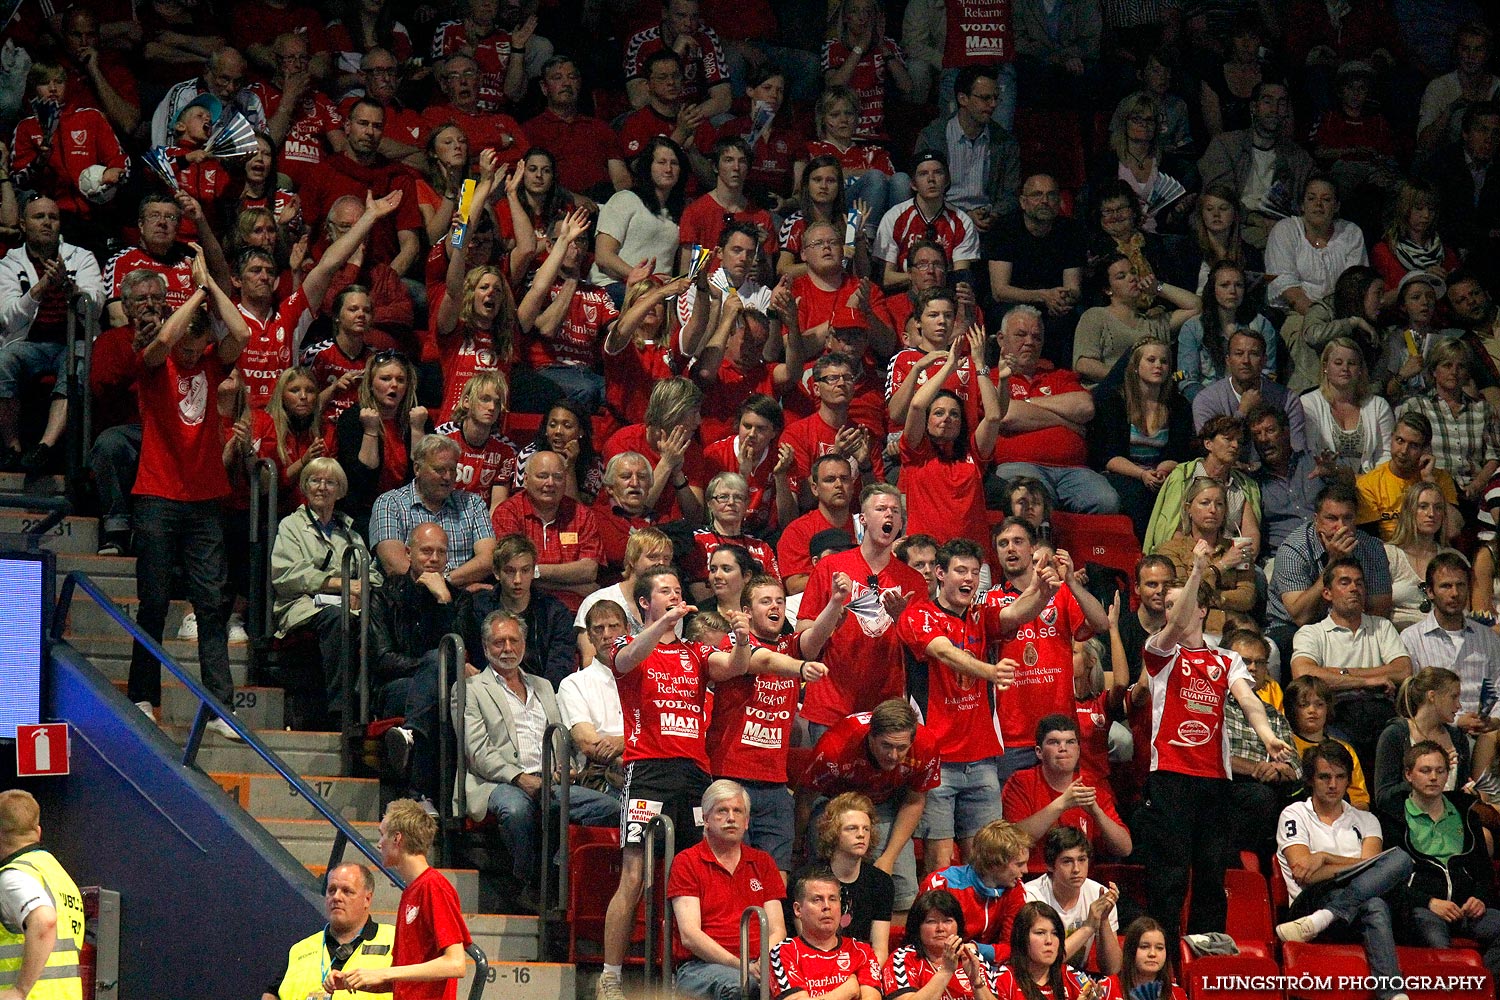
(1184, 826)
(818, 961)
(427, 960)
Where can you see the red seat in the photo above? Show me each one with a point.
(1327, 964)
(1108, 539)
(1446, 963)
(594, 860)
(1280, 901)
(1250, 861)
(1249, 919)
(1051, 142)
(897, 938)
(522, 427)
(1129, 879)
(1202, 976)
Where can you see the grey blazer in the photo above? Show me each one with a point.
(491, 756)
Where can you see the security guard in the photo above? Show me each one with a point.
(41, 910)
(350, 940)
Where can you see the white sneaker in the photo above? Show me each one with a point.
(223, 729)
(146, 709)
(237, 631)
(608, 987)
(189, 627)
(1300, 930)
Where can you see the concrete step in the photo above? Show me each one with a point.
(304, 753)
(269, 797)
(88, 618)
(504, 937)
(96, 566)
(260, 708)
(111, 655)
(310, 840)
(75, 534)
(526, 980)
(20, 484)
(387, 896)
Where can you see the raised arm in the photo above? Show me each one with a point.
(315, 285)
(574, 225)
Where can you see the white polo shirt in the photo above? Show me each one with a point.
(1345, 837)
(591, 695)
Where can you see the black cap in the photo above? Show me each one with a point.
(929, 155)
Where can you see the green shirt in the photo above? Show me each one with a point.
(1442, 838)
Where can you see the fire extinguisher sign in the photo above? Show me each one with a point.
(42, 750)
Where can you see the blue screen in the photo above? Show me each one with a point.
(21, 589)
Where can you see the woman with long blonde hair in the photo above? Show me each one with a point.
(1345, 420)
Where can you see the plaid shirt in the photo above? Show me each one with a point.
(1462, 442)
(464, 518)
(1244, 743)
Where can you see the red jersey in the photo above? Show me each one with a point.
(463, 353)
(1051, 445)
(724, 456)
(480, 469)
(792, 547)
(1007, 987)
(1043, 648)
(430, 920)
(1188, 690)
(957, 708)
(952, 229)
(576, 340)
(859, 156)
(749, 729)
(798, 967)
(706, 540)
(264, 444)
(329, 363)
(772, 155)
(988, 913)
(1094, 716)
(182, 443)
(723, 895)
(704, 219)
(841, 763)
(1027, 793)
(868, 80)
(977, 31)
(944, 496)
(492, 52)
(721, 404)
(207, 180)
(643, 125)
(663, 701)
(631, 373)
(812, 438)
(83, 139)
(272, 346)
(864, 653)
(907, 971)
(176, 269)
(698, 75)
(306, 140)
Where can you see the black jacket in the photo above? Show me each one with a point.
(1466, 874)
(406, 622)
(551, 646)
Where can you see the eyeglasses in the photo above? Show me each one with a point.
(821, 244)
(468, 74)
(161, 216)
(322, 484)
(834, 379)
(138, 299)
(383, 71)
(929, 265)
(737, 499)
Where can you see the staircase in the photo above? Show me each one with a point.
(510, 942)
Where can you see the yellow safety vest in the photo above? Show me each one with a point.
(308, 964)
(59, 979)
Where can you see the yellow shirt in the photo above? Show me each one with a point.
(1380, 493)
(1271, 695)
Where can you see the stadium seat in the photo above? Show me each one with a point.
(1249, 919)
(1327, 963)
(1201, 976)
(1444, 962)
(1108, 539)
(1052, 142)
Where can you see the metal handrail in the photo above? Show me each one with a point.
(759, 913)
(669, 840)
(548, 908)
(481, 971)
(209, 706)
(450, 657)
(264, 479)
(356, 682)
(83, 327)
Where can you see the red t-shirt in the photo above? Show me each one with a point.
(1043, 648)
(723, 456)
(339, 175)
(263, 443)
(723, 895)
(812, 437)
(859, 156)
(402, 124)
(429, 921)
(663, 699)
(706, 540)
(867, 407)
(752, 718)
(1188, 690)
(272, 346)
(631, 374)
(640, 127)
(960, 383)
(907, 971)
(113, 369)
(176, 269)
(842, 763)
(864, 654)
(329, 363)
(703, 221)
(868, 80)
(791, 547)
(615, 529)
(944, 497)
(182, 442)
(583, 147)
(633, 438)
(816, 306)
(480, 469)
(1027, 793)
(576, 340)
(798, 967)
(771, 157)
(958, 710)
(977, 31)
(721, 404)
(1051, 445)
(485, 130)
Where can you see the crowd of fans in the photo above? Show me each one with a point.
(716, 374)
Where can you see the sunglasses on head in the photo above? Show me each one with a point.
(382, 357)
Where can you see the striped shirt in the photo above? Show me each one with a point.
(1474, 655)
(464, 518)
(1462, 442)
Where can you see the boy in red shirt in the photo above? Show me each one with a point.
(431, 937)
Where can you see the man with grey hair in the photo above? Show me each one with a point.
(350, 940)
(1042, 433)
(431, 496)
(224, 78)
(564, 531)
(506, 714)
(711, 884)
(621, 509)
(381, 76)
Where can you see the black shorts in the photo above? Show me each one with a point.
(673, 788)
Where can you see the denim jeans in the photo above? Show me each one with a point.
(1357, 902)
(965, 802)
(113, 459)
(22, 362)
(705, 981)
(191, 533)
(772, 818)
(1074, 489)
(520, 822)
(879, 191)
(421, 719)
(1432, 931)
